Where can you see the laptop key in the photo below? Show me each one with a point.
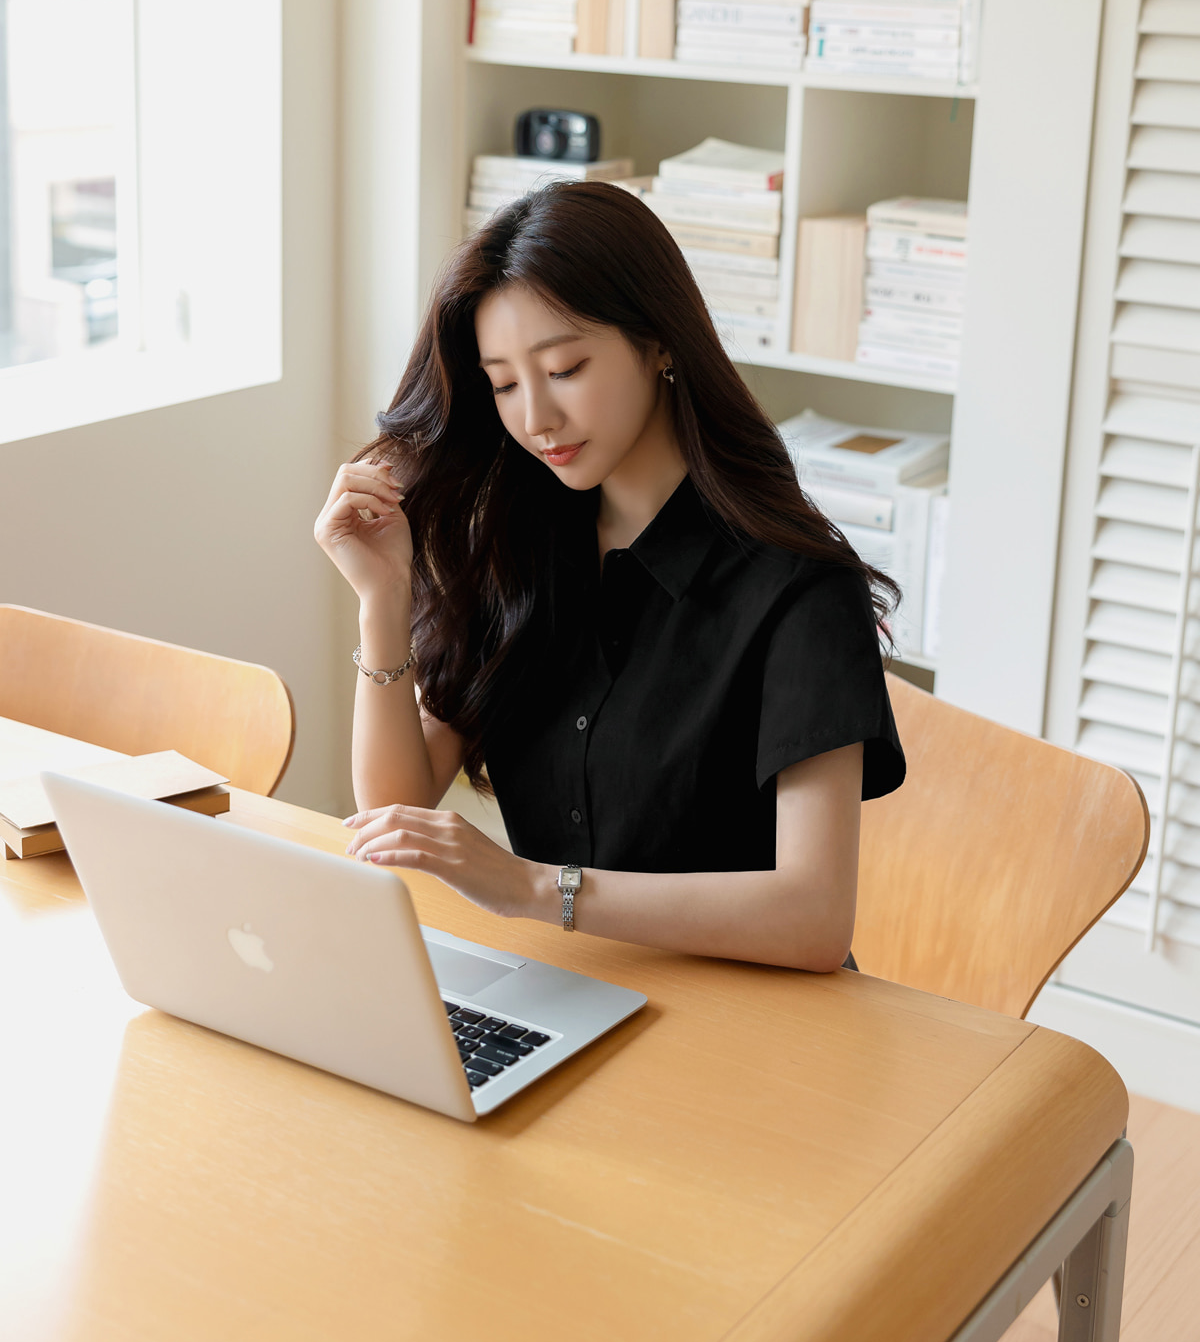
(489, 1050)
(466, 1046)
(492, 1023)
(486, 1065)
(467, 1031)
(451, 1007)
(468, 1016)
(512, 1032)
(475, 1078)
(535, 1038)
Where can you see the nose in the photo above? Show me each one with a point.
(542, 415)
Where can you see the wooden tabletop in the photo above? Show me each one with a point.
(759, 1154)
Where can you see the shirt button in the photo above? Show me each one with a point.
(581, 722)
(577, 815)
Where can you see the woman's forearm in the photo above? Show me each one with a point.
(801, 920)
(389, 758)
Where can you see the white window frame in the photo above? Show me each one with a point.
(201, 308)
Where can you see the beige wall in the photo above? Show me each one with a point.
(194, 523)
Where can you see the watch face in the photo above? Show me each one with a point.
(570, 880)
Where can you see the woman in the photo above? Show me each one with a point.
(612, 592)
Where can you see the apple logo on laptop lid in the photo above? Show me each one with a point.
(250, 947)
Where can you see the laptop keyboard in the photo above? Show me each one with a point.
(487, 1044)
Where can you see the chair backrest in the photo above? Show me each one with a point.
(138, 695)
(997, 854)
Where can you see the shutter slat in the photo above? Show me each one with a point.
(1156, 368)
(1152, 547)
(1170, 16)
(1157, 327)
(1159, 282)
(1165, 148)
(1151, 463)
(1172, 195)
(1162, 239)
(1132, 501)
(1169, 57)
(1157, 418)
(1129, 586)
(1111, 665)
(1162, 104)
(1119, 746)
(1129, 627)
(1120, 707)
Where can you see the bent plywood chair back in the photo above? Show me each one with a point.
(997, 854)
(138, 695)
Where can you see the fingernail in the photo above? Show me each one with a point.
(350, 819)
(349, 849)
(375, 857)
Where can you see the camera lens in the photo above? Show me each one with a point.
(549, 142)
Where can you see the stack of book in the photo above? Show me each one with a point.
(530, 27)
(560, 27)
(766, 33)
(499, 179)
(722, 204)
(922, 39)
(828, 304)
(885, 491)
(914, 286)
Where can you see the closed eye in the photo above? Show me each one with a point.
(508, 386)
(570, 372)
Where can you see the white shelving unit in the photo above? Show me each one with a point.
(1017, 145)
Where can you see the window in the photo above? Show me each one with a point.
(139, 205)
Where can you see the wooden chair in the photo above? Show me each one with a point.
(138, 695)
(997, 854)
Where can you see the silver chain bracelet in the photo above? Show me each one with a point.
(385, 677)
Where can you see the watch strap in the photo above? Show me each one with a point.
(570, 878)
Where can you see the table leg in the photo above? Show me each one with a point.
(1094, 1273)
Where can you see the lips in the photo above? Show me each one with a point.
(559, 456)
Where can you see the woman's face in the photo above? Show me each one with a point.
(578, 397)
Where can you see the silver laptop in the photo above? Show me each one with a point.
(318, 958)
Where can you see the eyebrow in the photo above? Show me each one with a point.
(548, 343)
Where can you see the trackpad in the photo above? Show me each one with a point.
(463, 973)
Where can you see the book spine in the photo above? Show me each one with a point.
(738, 303)
(874, 547)
(906, 361)
(723, 283)
(731, 240)
(666, 186)
(759, 18)
(886, 52)
(917, 342)
(689, 210)
(913, 35)
(915, 248)
(898, 69)
(728, 39)
(591, 18)
(851, 505)
(913, 505)
(702, 258)
(906, 321)
(656, 35)
(914, 297)
(843, 11)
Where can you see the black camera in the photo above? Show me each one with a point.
(544, 133)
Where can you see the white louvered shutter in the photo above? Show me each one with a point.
(1139, 704)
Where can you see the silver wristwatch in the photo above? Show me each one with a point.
(570, 878)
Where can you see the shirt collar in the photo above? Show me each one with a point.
(679, 536)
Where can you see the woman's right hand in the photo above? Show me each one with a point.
(363, 530)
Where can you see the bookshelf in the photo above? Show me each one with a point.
(1016, 144)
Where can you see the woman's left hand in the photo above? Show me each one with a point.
(450, 848)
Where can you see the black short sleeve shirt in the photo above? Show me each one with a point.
(641, 721)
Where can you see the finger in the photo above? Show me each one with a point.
(410, 859)
(385, 825)
(408, 839)
(353, 502)
(368, 484)
(396, 810)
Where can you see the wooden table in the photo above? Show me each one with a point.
(759, 1154)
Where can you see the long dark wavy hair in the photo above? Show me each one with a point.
(480, 506)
